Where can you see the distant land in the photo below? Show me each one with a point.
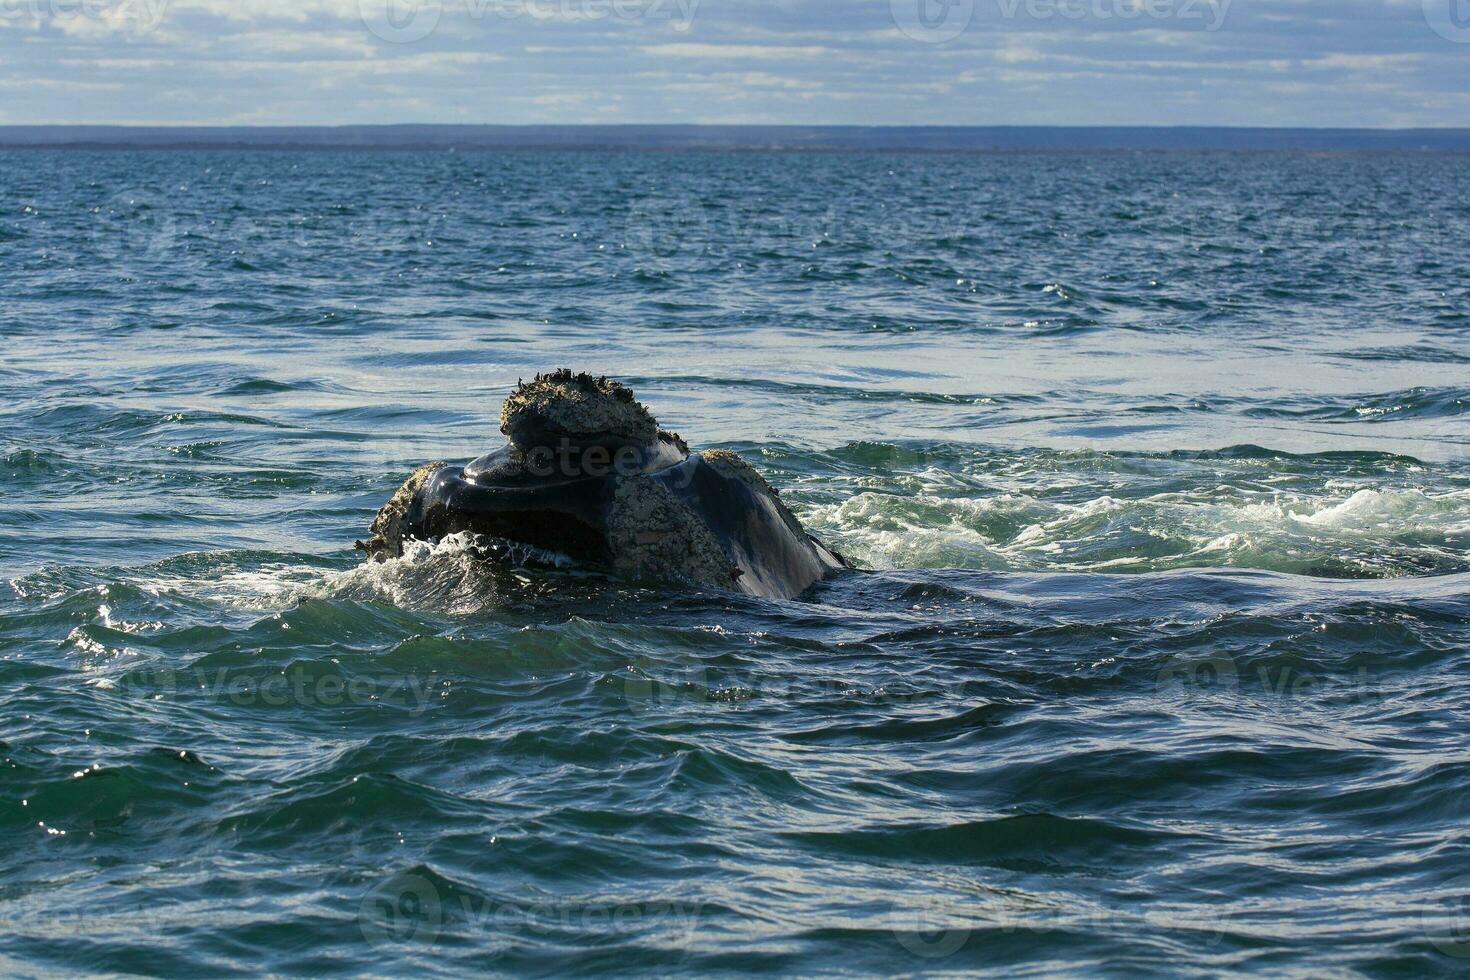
(691, 137)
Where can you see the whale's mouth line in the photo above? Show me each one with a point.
(561, 516)
(547, 530)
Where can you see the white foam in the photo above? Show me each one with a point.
(1376, 529)
(445, 577)
(448, 576)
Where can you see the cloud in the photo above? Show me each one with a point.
(737, 52)
(1284, 62)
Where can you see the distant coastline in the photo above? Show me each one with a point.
(694, 137)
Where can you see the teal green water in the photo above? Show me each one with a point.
(1157, 464)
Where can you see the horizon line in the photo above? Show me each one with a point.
(735, 136)
(701, 125)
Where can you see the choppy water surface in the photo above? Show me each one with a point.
(1159, 461)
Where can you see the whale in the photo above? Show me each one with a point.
(588, 473)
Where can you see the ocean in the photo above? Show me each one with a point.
(1157, 466)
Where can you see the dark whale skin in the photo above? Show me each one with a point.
(776, 557)
(563, 517)
(762, 548)
(589, 473)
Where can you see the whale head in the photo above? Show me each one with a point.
(588, 473)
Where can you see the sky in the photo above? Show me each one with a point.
(1379, 63)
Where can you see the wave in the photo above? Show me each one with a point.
(1337, 532)
(1415, 403)
(451, 576)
